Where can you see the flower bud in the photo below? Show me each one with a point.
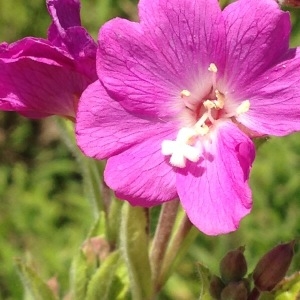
(95, 249)
(273, 266)
(216, 286)
(235, 291)
(233, 265)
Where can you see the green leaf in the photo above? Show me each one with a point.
(99, 227)
(205, 276)
(79, 276)
(134, 246)
(114, 220)
(33, 284)
(104, 283)
(289, 288)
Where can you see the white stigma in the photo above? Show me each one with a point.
(181, 149)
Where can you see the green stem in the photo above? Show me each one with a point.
(90, 168)
(134, 244)
(254, 295)
(178, 246)
(162, 236)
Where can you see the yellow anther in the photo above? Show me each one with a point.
(213, 68)
(220, 99)
(209, 104)
(185, 93)
(214, 104)
(243, 107)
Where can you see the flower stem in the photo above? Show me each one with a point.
(179, 244)
(254, 295)
(162, 236)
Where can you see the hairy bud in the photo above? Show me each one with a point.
(235, 291)
(233, 266)
(216, 286)
(273, 266)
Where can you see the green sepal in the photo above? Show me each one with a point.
(81, 268)
(104, 284)
(33, 284)
(289, 288)
(99, 227)
(79, 276)
(205, 276)
(114, 220)
(134, 246)
(258, 142)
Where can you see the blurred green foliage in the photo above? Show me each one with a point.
(44, 214)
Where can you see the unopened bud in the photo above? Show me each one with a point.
(95, 249)
(53, 285)
(273, 266)
(291, 3)
(216, 286)
(235, 291)
(233, 266)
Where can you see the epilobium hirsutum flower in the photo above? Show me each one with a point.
(40, 77)
(180, 95)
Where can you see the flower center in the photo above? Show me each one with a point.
(204, 114)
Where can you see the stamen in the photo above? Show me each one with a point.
(213, 68)
(220, 99)
(202, 120)
(202, 130)
(210, 104)
(185, 93)
(241, 109)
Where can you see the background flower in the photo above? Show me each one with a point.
(40, 77)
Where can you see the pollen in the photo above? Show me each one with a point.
(213, 68)
(185, 93)
(243, 107)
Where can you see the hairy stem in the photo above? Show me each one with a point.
(162, 236)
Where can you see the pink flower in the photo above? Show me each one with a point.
(180, 95)
(40, 77)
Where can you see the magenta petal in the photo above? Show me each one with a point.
(38, 88)
(38, 79)
(190, 33)
(274, 98)
(64, 13)
(141, 174)
(215, 192)
(257, 36)
(67, 33)
(104, 128)
(146, 65)
(35, 48)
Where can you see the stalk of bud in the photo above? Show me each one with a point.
(273, 266)
(291, 3)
